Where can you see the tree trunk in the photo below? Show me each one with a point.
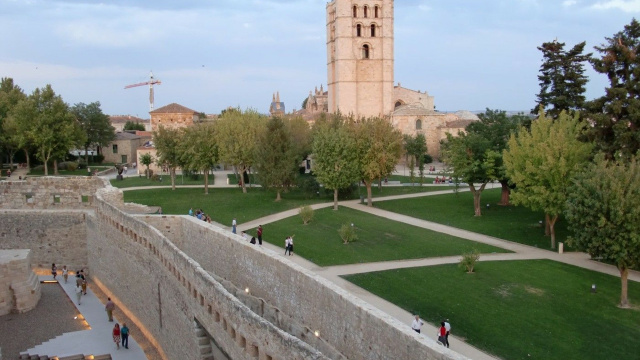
(12, 153)
(380, 184)
(624, 274)
(335, 199)
(147, 171)
(552, 230)
(506, 191)
(46, 168)
(86, 154)
(172, 171)
(547, 228)
(241, 174)
(477, 205)
(278, 198)
(369, 198)
(206, 182)
(55, 167)
(26, 154)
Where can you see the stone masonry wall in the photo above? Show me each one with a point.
(19, 285)
(58, 237)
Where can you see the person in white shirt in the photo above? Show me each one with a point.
(287, 244)
(233, 225)
(416, 325)
(447, 326)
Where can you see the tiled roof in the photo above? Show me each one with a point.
(459, 124)
(466, 115)
(173, 108)
(117, 119)
(413, 110)
(126, 136)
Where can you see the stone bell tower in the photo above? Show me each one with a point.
(360, 57)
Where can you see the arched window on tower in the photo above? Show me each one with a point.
(355, 11)
(398, 104)
(358, 30)
(366, 51)
(373, 30)
(377, 11)
(366, 11)
(418, 124)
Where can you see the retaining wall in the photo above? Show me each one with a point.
(19, 285)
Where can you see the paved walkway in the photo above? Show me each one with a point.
(95, 341)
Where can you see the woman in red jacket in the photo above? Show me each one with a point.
(116, 335)
(442, 334)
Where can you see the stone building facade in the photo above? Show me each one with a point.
(123, 150)
(173, 116)
(119, 121)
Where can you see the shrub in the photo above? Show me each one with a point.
(72, 166)
(348, 233)
(155, 177)
(427, 159)
(38, 168)
(306, 213)
(349, 192)
(308, 185)
(149, 173)
(82, 164)
(468, 261)
(97, 159)
(63, 165)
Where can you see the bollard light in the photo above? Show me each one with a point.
(246, 290)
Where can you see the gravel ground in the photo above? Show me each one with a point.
(53, 316)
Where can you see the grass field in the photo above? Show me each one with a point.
(519, 309)
(379, 239)
(514, 223)
(77, 172)
(135, 181)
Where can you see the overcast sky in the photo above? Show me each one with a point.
(211, 54)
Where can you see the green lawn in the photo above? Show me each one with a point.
(513, 223)
(135, 181)
(379, 239)
(519, 309)
(77, 172)
(407, 179)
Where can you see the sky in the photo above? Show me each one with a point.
(212, 54)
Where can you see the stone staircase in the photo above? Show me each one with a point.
(204, 342)
(71, 357)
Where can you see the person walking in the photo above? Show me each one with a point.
(78, 294)
(291, 245)
(417, 323)
(447, 326)
(116, 335)
(78, 279)
(84, 287)
(233, 225)
(259, 234)
(109, 307)
(124, 331)
(287, 243)
(54, 271)
(65, 273)
(442, 334)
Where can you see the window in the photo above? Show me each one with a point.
(366, 11)
(418, 124)
(358, 30)
(366, 51)
(373, 30)
(399, 103)
(355, 11)
(377, 11)
(124, 159)
(114, 147)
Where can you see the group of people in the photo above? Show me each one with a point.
(288, 245)
(119, 334)
(443, 331)
(200, 215)
(252, 239)
(444, 180)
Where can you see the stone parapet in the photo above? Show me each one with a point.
(19, 285)
(50, 192)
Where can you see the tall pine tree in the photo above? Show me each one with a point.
(615, 117)
(562, 79)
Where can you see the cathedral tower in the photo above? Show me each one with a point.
(360, 57)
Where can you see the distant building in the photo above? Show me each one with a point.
(173, 116)
(123, 150)
(119, 121)
(277, 107)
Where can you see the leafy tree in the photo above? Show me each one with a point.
(10, 96)
(473, 161)
(133, 126)
(167, 141)
(562, 79)
(276, 158)
(379, 147)
(542, 161)
(95, 125)
(238, 137)
(301, 136)
(199, 149)
(603, 211)
(415, 148)
(335, 160)
(615, 117)
(146, 160)
(496, 127)
(51, 126)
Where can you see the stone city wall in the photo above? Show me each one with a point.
(311, 303)
(19, 285)
(50, 192)
(58, 237)
(167, 291)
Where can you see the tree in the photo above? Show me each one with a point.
(301, 136)
(276, 158)
(615, 117)
(238, 137)
(496, 127)
(166, 141)
(379, 147)
(562, 79)
(133, 126)
(51, 126)
(10, 96)
(473, 161)
(415, 148)
(603, 211)
(542, 161)
(95, 125)
(199, 149)
(146, 160)
(335, 160)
